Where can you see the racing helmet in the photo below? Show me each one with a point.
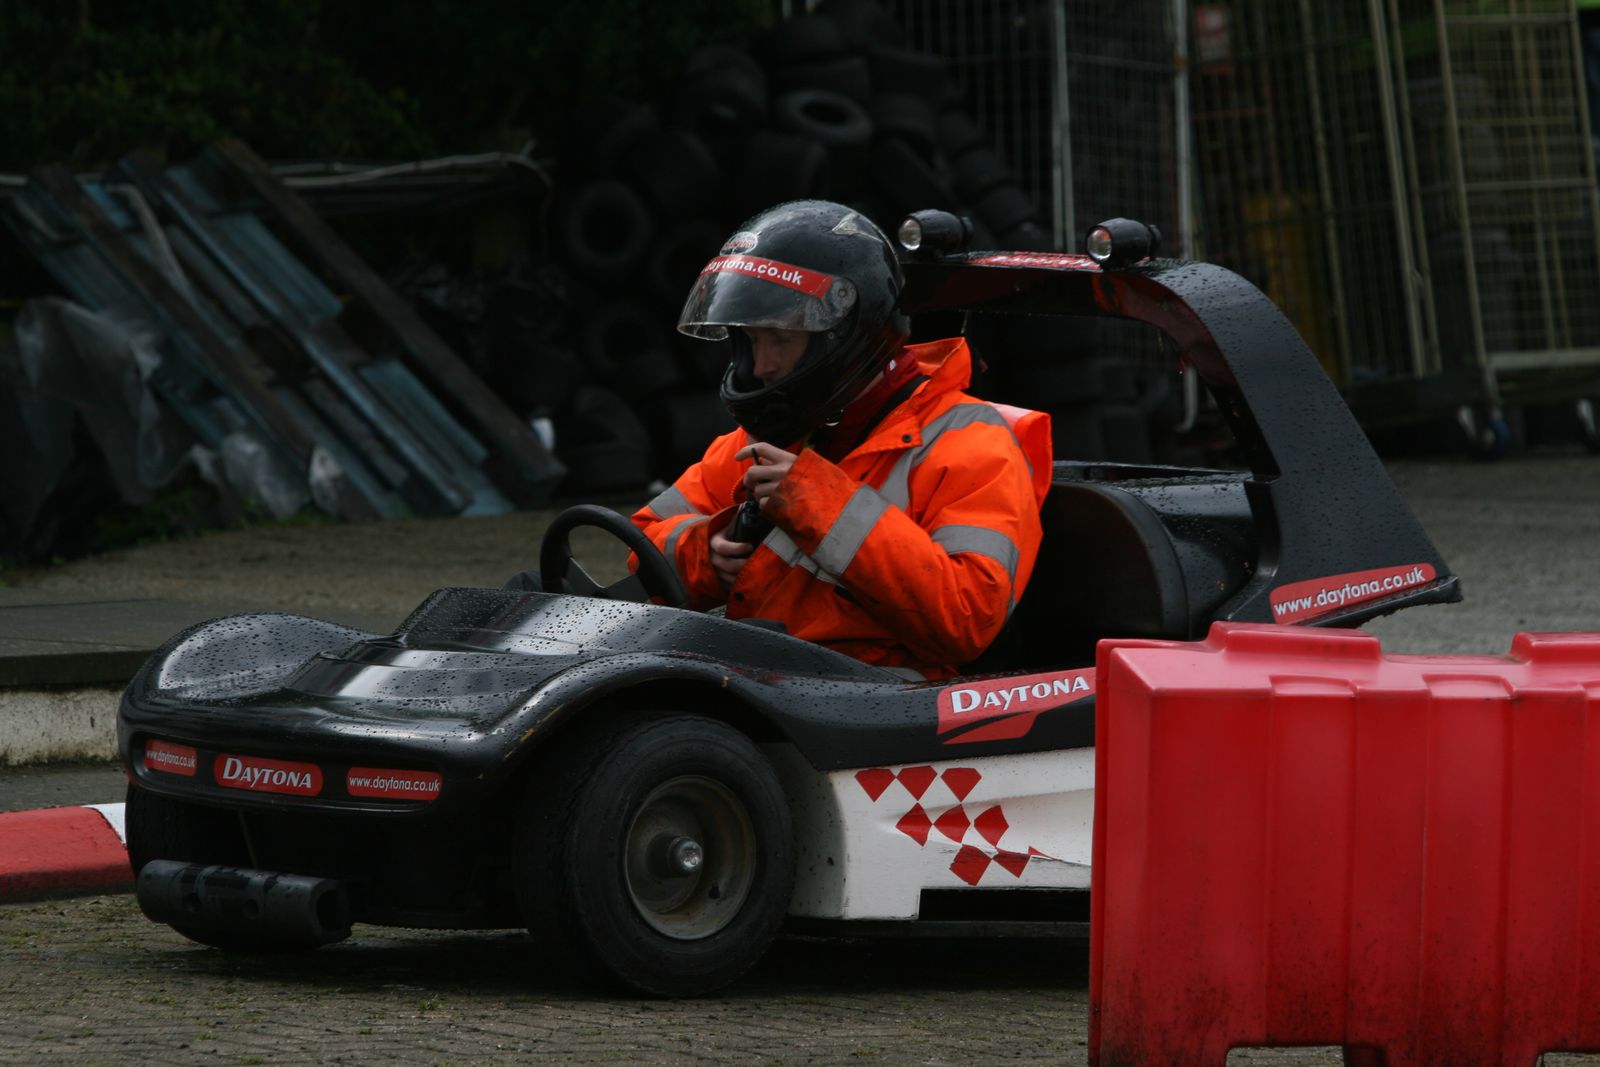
(808, 265)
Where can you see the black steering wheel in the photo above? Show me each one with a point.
(559, 572)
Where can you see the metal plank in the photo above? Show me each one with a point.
(240, 368)
(399, 387)
(304, 291)
(323, 342)
(352, 464)
(334, 410)
(396, 382)
(537, 469)
(241, 314)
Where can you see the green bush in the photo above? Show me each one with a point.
(86, 82)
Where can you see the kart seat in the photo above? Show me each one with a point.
(1109, 566)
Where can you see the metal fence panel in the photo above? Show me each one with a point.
(1078, 98)
(1508, 180)
(1297, 190)
(1409, 179)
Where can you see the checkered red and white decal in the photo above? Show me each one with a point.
(978, 832)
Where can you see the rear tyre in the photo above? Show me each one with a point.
(161, 828)
(657, 855)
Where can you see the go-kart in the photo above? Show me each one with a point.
(655, 792)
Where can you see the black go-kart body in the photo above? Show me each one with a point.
(654, 791)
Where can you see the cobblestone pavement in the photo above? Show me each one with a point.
(90, 981)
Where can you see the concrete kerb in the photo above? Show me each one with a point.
(64, 660)
(69, 851)
(57, 724)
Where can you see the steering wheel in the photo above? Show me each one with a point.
(559, 572)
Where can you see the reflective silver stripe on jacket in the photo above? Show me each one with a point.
(669, 502)
(785, 548)
(670, 547)
(983, 541)
(840, 544)
(896, 488)
(849, 531)
(866, 506)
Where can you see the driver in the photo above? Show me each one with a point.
(866, 501)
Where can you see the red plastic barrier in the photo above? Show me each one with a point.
(1302, 841)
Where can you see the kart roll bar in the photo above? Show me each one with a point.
(1323, 502)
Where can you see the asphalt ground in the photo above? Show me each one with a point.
(88, 980)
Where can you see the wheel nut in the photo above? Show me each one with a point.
(686, 855)
(675, 856)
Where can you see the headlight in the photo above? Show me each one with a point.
(911, 234)
(1116, 243)
(934, 232)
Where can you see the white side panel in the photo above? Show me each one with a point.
(868, 841)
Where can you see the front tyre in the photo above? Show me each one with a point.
(659, 854)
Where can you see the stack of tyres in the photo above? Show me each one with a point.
(828, 104)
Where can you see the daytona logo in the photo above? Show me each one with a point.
(268, 776)
(174, 759)
(1018, 701)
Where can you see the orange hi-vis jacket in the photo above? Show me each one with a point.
(908, 553)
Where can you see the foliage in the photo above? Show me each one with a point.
(85, 82)
(92, 81)
(174, 514)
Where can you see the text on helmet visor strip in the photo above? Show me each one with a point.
(770, 270)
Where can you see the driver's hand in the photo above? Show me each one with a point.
(771, 466)
(728, 557)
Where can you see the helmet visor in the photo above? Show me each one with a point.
(741, 290)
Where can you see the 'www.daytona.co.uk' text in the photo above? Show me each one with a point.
(1351, 592)
(396, 785)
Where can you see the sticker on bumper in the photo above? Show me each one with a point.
(268, 775)
(171, 758)
(392, 784)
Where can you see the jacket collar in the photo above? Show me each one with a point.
(948, 365)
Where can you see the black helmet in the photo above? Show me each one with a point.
(806, 265)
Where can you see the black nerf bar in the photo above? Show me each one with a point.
(264, 909)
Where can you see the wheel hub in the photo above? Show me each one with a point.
(675, 857)
(690, 857)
